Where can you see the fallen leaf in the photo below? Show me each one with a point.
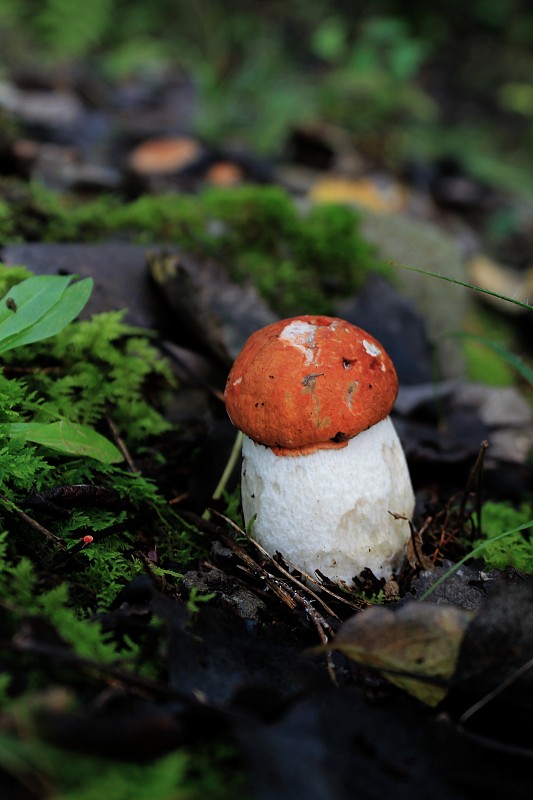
(416, 639)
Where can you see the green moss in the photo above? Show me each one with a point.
(93, 372)
(164, 218)
(33, 213)
(99, 368)
(299, 262)
(513, 550)
(10, 276)
(256, 217)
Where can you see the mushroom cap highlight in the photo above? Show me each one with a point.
(309, 383)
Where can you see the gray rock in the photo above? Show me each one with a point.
(412, 242)
(507, 415)
(120, 273)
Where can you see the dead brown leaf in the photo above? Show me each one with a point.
(416, 639)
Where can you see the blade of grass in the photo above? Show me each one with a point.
(467, 285)
(228, 469)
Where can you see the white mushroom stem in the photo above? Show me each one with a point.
(330, 510)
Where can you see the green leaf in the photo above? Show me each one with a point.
(55, 319)
(67, 437)
(30, 300)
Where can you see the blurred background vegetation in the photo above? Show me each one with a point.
(409, 81)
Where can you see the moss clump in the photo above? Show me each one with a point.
(263, 218)
(99, 368)
(172, 218)
(298, 261)
(33, 213)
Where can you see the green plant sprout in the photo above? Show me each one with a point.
(197, 598)
(234, 456)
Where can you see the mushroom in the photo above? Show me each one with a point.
(324, 477)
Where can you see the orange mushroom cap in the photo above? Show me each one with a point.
(309, 383)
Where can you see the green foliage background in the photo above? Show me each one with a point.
(258, 69)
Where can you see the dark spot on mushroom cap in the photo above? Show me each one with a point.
(310, 380)
(339, 437)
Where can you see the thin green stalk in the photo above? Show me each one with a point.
(228, 469)
(527, 306)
